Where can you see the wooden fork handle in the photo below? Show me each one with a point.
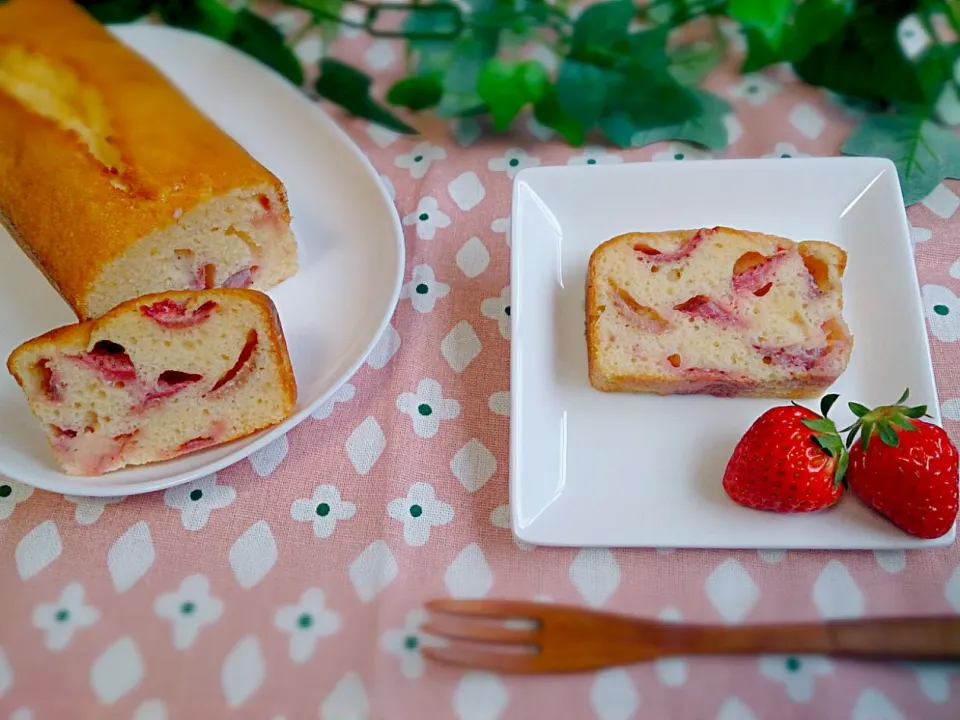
(933, 638)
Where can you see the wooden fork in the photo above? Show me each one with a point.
(525, 637)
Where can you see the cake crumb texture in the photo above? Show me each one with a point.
(716, 311)
(158, 377)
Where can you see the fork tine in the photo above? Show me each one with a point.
(486, 659)
(484, 608)
(478, 632)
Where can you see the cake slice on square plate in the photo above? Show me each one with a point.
(716, 311)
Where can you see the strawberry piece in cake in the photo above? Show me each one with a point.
(158, 377)
(716, 311)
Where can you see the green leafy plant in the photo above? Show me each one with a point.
(626, 71)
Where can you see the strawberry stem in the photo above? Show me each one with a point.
(883, 421)
(826, 435)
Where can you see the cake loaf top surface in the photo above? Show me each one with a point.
(97, 142)
(102, 102)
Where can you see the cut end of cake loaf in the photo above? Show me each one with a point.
(158, 377)
(716, 311)
(239, 240)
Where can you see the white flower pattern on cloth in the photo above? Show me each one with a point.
(919, 235)
(733, 32)
(424, 289)
(498, 309)
(428, 218)
(12, 493)
(595, 155)
(196, 500)
(89, 509)
(406, 642)
(419, 159)
(189, 608)
(912, 37)
(419, 511)
(324, 508)
(61, 619)
(288, 21)
(755, 89)
(344, 393)
(512, 161)
(305, 622)
(942, 309)
(785, 150)
(680, 151)
(502, 225)
(427, 407)
(798, 673)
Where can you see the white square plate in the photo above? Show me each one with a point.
(589, 468)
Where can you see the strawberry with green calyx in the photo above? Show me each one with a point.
(904, 468)
(790, 460)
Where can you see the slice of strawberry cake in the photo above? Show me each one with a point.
(716, 311)
(157, 377)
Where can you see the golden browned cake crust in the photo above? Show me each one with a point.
(98, 149)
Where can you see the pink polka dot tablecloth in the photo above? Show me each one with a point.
(291, 585)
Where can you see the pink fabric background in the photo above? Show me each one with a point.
(127, 663)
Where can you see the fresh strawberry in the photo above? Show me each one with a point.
(904, 468)
(790, 460)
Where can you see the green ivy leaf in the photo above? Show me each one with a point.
(582, 91)
(649, 48)
(923, 152)
(460, 76)
(506, 88)
(815, 22)
(210, 17)
(619, 128)
(117, 11)
(350, 89)
(934, 70)
(433, 22)
(417, 92)
(864, 59)
(324, 14)
(260, 39)
(953, 13)
(550, 113)
(705, 128)
(767, 17)
(654, 99)
(600, 26)
(690, 64)
(760, 53)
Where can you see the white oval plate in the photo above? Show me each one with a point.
(333, 310)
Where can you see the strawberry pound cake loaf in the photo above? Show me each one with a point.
(157, 377)
(716, 311)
